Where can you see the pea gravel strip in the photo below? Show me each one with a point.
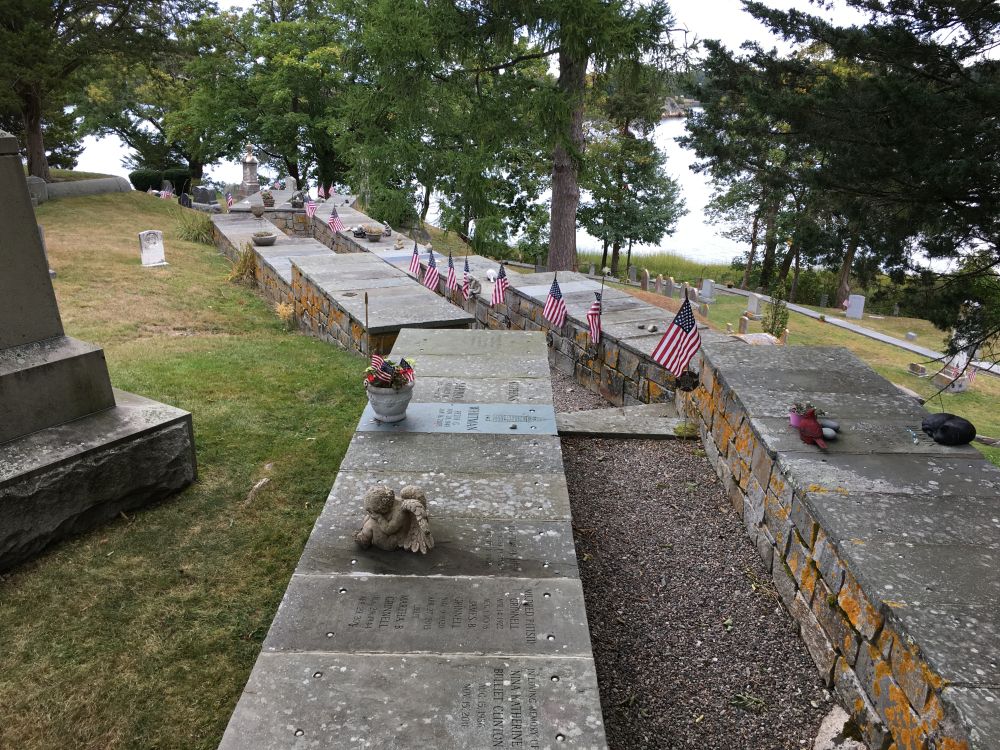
(691, 646)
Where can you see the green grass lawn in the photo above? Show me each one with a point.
(141, 634)
(980, 404)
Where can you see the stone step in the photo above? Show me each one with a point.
(645, 421)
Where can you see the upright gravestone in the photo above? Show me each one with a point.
(744, 325)
(250, 184)
(658, 284)
(668, 288)
(593, 270)
(291, 184)
(73, 452)
(184, 201)
(707, 291)
(202, 194)
(167, 187)
(824, 300)
(856, 306)
(753, 307)
(644, 280)
(632, 276)
(703, 309)
(151, 248)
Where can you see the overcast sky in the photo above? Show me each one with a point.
(706, 19)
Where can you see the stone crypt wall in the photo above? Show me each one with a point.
(884, 548)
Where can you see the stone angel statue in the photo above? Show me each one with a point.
(392, 523)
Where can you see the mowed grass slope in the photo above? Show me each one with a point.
(141, 634)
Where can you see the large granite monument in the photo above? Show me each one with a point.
(73, 451)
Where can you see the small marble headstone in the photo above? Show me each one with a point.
(729, 327)
(911, 336)
(753, 306)
(151, 248)
(644, 280)
(632, 274)
(708, 290)
(856, 306)
(593, 269)
(744, 324)
(166, 185)
(668, 288)
(658, 284)
(184, 200)
(703, 309)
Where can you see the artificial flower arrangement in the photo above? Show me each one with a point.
(388, 374)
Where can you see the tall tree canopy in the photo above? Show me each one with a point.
(897, 122)
(46, 43)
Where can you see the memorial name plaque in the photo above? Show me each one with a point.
(538, 419)
(483, 390)
(473, 703)
(445, 615)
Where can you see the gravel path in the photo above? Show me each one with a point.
(692, 648)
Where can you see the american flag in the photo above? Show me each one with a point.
(680, 341)
(415, 261)
(432, 275)
(167, 194)
(335, 224)
(500, 288)
(452, 283)
(555, 305)
(311, 209)
(594, 319)
(383, 370)
(229, 200)
(970, 373)
(466, 280)
(320, 192)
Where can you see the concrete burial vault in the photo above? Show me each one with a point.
(73, 451)
(483, 642)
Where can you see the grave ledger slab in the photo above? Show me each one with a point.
(73, 452)
(471, 645)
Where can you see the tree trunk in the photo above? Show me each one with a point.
(604, 258)
(795, 279)
(628, 259)
(786, 262)
(197, 170)
(427, 203)
(754, 235)
(844, 278)
(565, 182)
(615, 252)
(770, 245)
(38, 164)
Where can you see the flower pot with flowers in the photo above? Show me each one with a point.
(390, 387)
(799, 410)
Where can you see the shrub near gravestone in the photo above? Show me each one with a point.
(145, 179)
(776, 318)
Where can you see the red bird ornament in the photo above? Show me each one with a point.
(810, 430)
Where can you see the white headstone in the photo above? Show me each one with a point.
(151, 248)
(911, 336)
(708, 290)
(668, 288)
(291, 184)
(644, 280)
(593, 269)
(658, 287)
(744, 324)
(632, 274)
(856, 306)
(753, 306)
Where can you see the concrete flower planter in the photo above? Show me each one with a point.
(389, 404)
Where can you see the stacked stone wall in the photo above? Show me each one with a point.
(896, 698)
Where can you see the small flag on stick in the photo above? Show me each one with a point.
(320, 192)
(680, 341)
(466, 280)
(555, 306)
(452, 282)
(500, 288)
(335, 224)
(311, 209)
(594, 319)
(432, 275)
(229, 200)
(415, 261)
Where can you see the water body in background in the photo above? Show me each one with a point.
(693, 238)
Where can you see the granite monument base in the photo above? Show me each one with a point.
(67, 479)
